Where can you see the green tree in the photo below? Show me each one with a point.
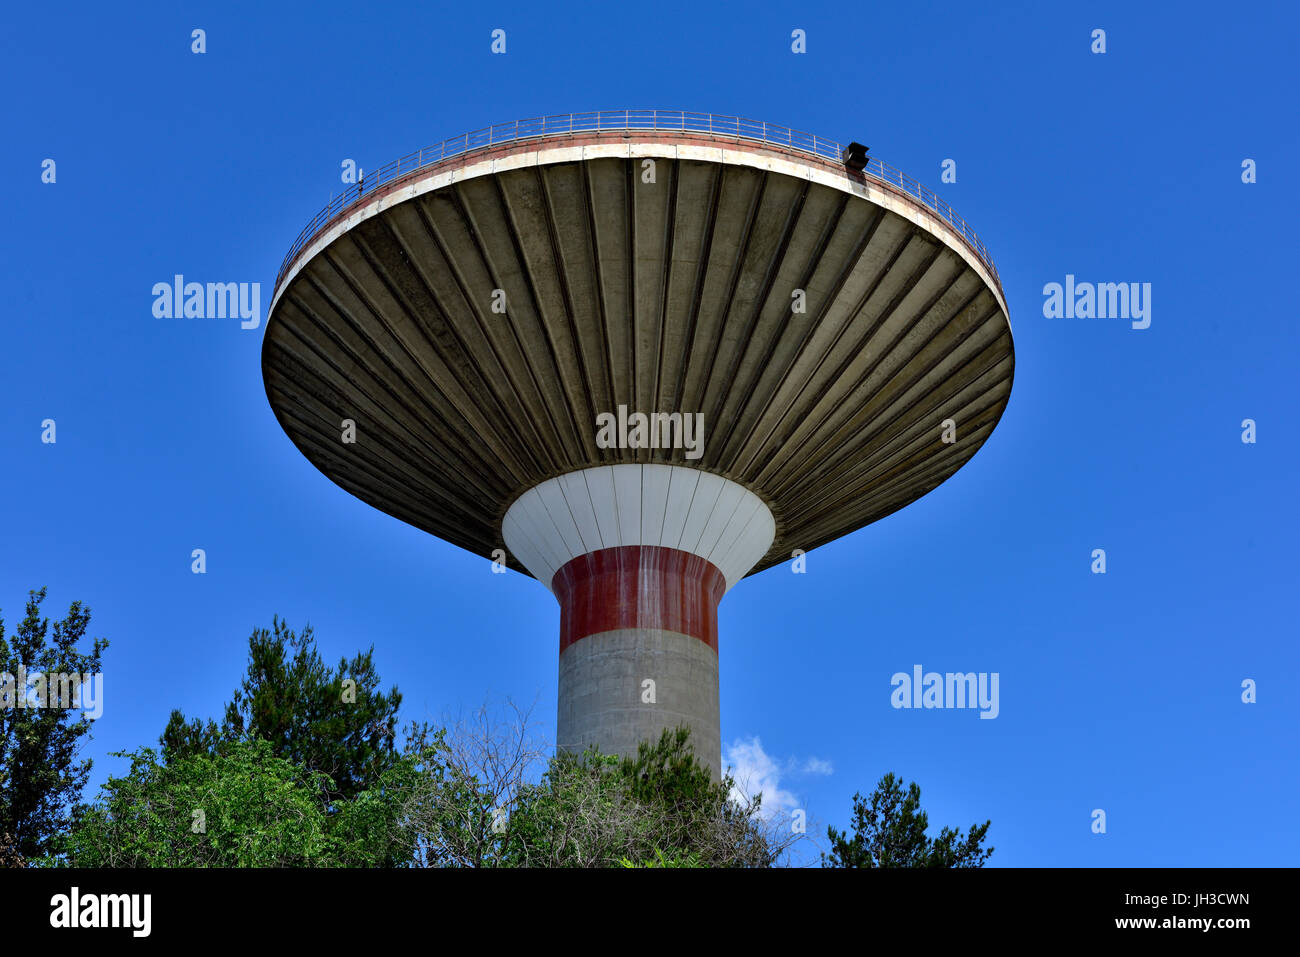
(578, 815)
(467, 779)
(473, 802)
(334, 721)
(698, 817)
(240, 806)
(889, 831)
(663, 860)
(40, 778)
(595, 810)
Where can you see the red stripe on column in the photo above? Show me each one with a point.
(639, 586)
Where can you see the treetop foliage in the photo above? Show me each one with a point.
(40, 777)
(889, 831)
(334, 721)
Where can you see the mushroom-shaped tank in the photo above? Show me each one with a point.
(645, 355)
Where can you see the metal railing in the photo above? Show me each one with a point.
(631, 120)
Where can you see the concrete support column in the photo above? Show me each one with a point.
(638, 649)
(638, 556)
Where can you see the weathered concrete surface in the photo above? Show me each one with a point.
(601, 688)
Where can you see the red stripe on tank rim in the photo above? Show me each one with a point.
(639, 586)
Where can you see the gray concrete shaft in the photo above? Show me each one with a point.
(602, 686)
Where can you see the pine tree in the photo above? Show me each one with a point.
(333, 721)
(889, 831)
(40, 780)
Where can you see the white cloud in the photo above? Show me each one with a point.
(817, 766)
(757, 773)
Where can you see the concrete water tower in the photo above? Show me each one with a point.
(644, 354)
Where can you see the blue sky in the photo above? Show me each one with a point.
(1119, 691)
